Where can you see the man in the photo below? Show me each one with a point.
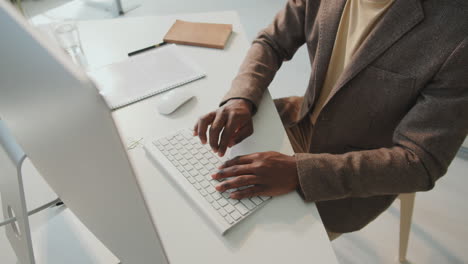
(385, 111)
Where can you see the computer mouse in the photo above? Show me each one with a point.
(172, 100)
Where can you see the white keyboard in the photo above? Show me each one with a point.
(190, 165)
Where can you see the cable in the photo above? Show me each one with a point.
(56, 202)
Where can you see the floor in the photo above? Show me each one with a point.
(439, 230)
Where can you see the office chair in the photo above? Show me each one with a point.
(406, 213)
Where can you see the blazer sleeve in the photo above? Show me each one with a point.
(278, 42)
(425, 142)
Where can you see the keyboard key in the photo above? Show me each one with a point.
(163, 141)
(212, 181)
(183, 162)
(198, 166)
(191, 180)
(193, 161)
(235, 215)
(223, 202)
(211, 190)
(199, 148)
(198, 156)
(199, 178)
(204, 171)
(209, 199)
(188, 167)
(197, 186)
(241, 208)
(178, 147)
(229, 208)
(256, 200)
(215, 205)
(203, 192)
(187, 156)
(193, 151)
(248, 204)
(183, 152)
(173, 151)
(186, 175)
(189, 147)
(264, 198)
(214, 160)
(178, 156)
(193, 173)
(204, 184)
(203, 150)
(169, 147)
(233, 201)
(179, 137)
(216, 195)
(208, 178)
(210, 167)
(222, 212)
(226, 194)
(208, 155)
(186, 134)
(229, 219)
(203, 161)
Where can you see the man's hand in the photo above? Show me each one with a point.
(270, 173)
(234, 119)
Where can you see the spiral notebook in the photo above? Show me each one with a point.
(145, 75)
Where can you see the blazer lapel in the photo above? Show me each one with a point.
(329, 18)
(401, 17)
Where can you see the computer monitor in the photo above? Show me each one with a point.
(66, 129)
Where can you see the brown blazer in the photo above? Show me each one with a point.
(396, 117)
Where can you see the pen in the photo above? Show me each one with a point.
(147, 48)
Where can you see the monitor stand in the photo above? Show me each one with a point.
(15, 211)
(13, 199)
(114, 7)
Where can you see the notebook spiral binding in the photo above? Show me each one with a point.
(170, 87)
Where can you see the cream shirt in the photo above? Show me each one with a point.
(357, 21)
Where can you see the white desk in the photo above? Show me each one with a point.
(286, 230)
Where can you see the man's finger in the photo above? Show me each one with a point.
(239, 160)
(226, 137)
(195, 130)
(215, 129)
(241, 134)
(232, 171)
(237, 182)
(255, 190)
(203, 124)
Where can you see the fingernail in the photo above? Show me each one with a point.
(218, 187)
(213, 176)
